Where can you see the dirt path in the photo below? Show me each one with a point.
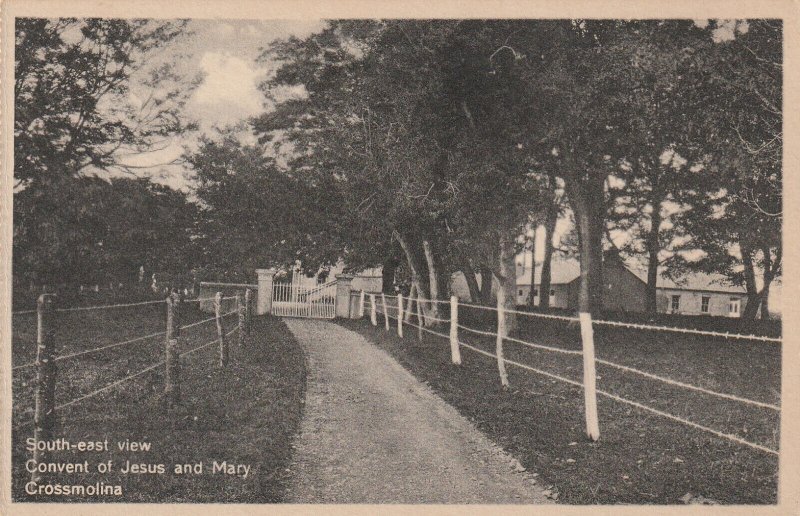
(372, 433)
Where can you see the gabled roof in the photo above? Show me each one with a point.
(692, 281)
(566, 270)
(562, 271)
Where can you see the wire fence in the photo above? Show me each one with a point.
(119, 305)
(45, 407)
(395, 311)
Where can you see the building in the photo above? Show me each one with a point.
(368, 280)
(625, 289)
(699, 294)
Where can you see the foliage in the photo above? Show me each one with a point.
(73, 97)
(90, 231)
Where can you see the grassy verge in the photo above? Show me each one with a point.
(245, 414)
(641, 457)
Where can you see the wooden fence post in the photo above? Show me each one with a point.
(44, 417)
(248, 307)
(373, 317)
(501, 333)
(240, 309)
(172, 377)
(223, 345)
(385, 311)
(400, 315)
(455, 350)
(589, 377)
(361, 305)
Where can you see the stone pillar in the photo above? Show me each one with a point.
(264, 295)
(344, 284)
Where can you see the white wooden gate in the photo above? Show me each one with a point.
(295, 300)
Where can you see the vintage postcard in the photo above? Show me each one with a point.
(338, 257)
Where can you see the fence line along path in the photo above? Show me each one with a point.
(46, 384)
(589, 383)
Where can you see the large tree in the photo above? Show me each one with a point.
(737, 220)
(87, 96)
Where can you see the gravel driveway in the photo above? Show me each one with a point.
(372, 433)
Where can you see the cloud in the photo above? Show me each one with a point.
(229, 90)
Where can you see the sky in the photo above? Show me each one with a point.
(224, 53)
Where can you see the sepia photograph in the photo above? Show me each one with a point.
(386, 260)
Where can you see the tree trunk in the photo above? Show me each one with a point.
(549, 231)
(388, 271)
(507, 281)
(531, 301)
(765, 303)
(486, 285)
(472, 282)
(412, 294)
(770, 271)
(653, 248)
(590, 235)
(415, 266)
(433, 275)
(753, 296)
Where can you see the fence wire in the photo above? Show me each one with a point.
(669, 381)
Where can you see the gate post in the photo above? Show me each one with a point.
(343, 287)
(264, 295)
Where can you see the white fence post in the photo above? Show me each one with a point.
(589, 377)
(455, 350)
(501, 332)
(400, 315)
(372, 316)
(385, 311)
(361, 305)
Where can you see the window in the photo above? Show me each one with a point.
(552, 292)
(704, 301)
(521, 293)
(734, 307)
(535, 292)
(676, 303)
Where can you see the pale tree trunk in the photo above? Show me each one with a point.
(507, 282)
(771, 269)
(411, 295)
(502, 332)
(415, 266)
(753, 295)
(433, 277)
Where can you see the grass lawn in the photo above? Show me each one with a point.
(640, 457)
(247, 413)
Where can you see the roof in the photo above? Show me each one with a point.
(566, 270)
(562, 271)
(693, 281)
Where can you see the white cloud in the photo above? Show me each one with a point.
(229, 90)
(725, 31)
